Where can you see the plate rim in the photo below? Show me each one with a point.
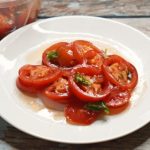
(65, 17)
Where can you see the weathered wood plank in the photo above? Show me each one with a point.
(95, 7)
(142, 24)
(16, 139)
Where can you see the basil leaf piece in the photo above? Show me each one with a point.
(52, 55)
(82, 79)
(97, 107)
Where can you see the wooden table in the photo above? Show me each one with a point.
(132, 12)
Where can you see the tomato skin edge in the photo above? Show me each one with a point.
(45, 60)
(61, 98)
(78, 53)
(118, 98)
(37, 83)
(132, 69)
(80, 93)
(77, 114)
(27, 89)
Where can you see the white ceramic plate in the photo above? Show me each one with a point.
(26, 45)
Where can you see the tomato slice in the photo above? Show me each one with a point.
(118, 110)
(81, 47)
(86, 52)
(76, 113)
(94, 58)
(88, 84)
(59, 55)
(27, 89)
(53, 48)
(38, 75)
(65, 56)
(58, 90)
(120, 72)
(118, 98)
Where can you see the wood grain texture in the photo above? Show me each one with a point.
(96, 7)
(13, 139)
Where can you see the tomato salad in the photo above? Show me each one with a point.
(83, 77)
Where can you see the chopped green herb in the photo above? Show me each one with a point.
(52, 55)
(82, 79)
(97, 107)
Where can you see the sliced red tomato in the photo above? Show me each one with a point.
(118, 98)
(120, 72)
(58, 90)
(59, 55)
(118, 110)
(94, 58)
(81, 47)
(38, 75)
(88, 84)
(76, 113)
(45, 60)
(27, 89)
(65, 56)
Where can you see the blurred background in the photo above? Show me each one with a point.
(17, 13)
